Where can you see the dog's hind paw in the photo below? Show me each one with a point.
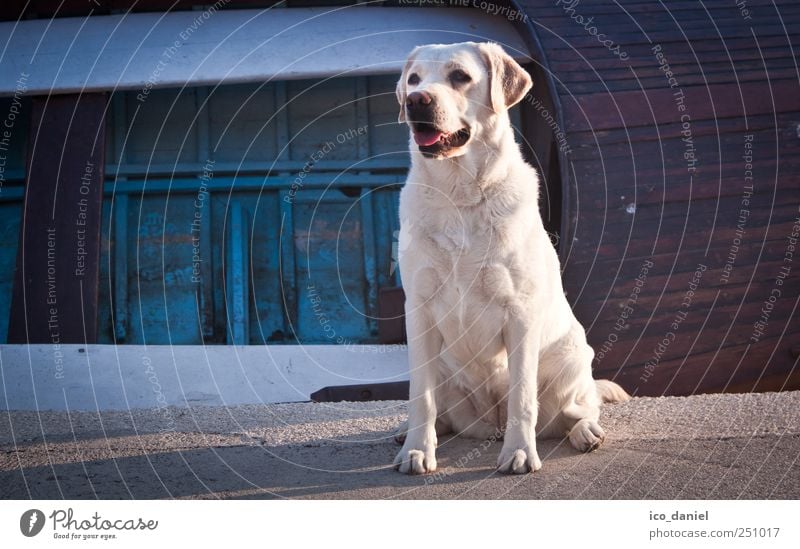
(401, 432)
(586, 435)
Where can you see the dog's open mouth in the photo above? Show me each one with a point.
(434, 142)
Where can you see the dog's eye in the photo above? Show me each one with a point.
(413, 80)
(459, 77)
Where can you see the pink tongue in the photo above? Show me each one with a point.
(425, 139)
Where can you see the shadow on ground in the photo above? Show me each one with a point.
(351, 469)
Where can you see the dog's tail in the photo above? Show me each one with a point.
(610, 392)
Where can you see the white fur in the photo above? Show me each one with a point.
(493, 343)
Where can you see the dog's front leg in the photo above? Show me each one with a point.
(521, 337)
(418, 454)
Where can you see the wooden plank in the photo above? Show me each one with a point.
(599, 111)
(202, 269)
(121, 279)
(618, 143)
(630, 35)
(725, 316)
(659, 18)
(370, 263)
(740, 368)
(663, 228)
(698, 76)
(745, 56)
(259, 167)
(10, 215)
(612, 280)
(287, 266)
(237, 276)
(56, 282)
(267, 320)
(391, 315)
(188, 185)
(642, 7)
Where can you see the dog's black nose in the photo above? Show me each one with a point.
(418, 99)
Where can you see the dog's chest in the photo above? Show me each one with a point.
(475, 285)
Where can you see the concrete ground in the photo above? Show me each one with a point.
(704, 447)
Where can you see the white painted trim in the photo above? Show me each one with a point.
(68, 55)
(108, 377)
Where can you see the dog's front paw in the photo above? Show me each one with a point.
(413, 461)
(518, 461)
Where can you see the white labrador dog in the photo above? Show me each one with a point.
(493, 344)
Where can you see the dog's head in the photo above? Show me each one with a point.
(450, 94)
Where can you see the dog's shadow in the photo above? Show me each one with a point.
(356, 466)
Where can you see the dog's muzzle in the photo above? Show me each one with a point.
(431, 140)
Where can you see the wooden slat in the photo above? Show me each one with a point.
(121, 280)
(601, 111)
(237, 276)
(370, 264)
(287, 263)
(56, 282)
(768, 365)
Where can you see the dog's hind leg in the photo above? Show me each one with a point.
(580, 417)
(580, 407)
(442, 428)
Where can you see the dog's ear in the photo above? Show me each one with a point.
(400, 91)
(508, 82)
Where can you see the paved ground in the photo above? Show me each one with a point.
(708, 446)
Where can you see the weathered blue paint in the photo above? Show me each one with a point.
(120, 295)
(202, 273)
(10, 214)
(370, 260)
(286, 257)
(237, 274)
